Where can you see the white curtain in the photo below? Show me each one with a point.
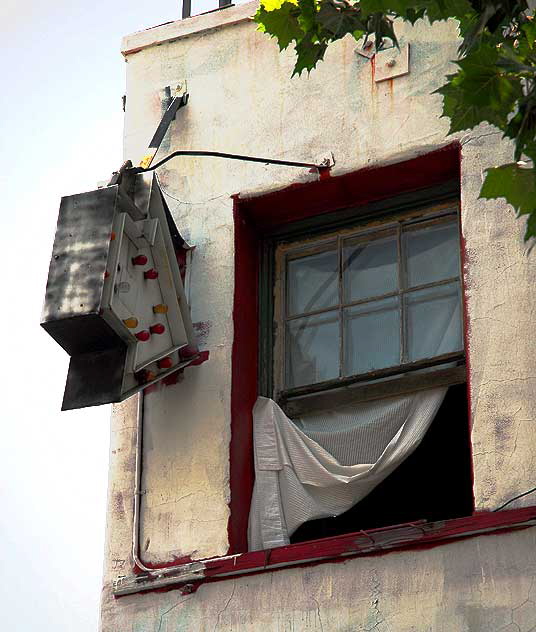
(322, 464)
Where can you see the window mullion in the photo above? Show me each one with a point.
(401, 285)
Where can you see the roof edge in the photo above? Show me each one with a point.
(178, 29)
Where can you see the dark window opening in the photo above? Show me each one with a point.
(433, 483)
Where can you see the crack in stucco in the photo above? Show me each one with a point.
(484, 453)
(514, 448)
(508, 381)
(318, 613)
(478, 137)
(169, 610)
(225, 607)
(495, 320)
(375, 593)
(513, 622)
(169, 502)
(508, 625)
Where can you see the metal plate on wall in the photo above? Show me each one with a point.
(390, 63)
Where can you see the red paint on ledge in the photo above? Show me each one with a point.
(410, 536)
(355, 189)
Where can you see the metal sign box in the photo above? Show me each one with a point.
(114, 298)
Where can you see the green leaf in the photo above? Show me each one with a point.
(522, 127)
(474, 27)
(458, 9)
(480, 91)
(280, 23)
(308, 54)
(273, 5)
(307, 17)
(412, 11)
(338, 20)
(358, 34)
(517, 185)
(529, 31)
(382, 27)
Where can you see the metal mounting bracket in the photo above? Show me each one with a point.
(390, 63)
(179, 100)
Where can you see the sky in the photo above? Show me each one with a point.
(61, 125)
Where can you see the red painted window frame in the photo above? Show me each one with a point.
(253, 218)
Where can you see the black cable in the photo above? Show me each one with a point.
(172, 197)
(219, 154)
(515, 498)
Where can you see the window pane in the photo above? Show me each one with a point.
(372, 336)
(370, 267)
(431, 253)
(312, 282)
(434, 324)
(312, 349)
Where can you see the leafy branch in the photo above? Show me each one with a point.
(495, 79)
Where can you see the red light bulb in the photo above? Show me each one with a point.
(145, 376)
(143, 335)
(165, 363)
(188, 352)
(157, 329)
(151, 274)
(139, 260)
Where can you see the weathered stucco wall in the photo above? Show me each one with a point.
(481, 585)
(242, 100)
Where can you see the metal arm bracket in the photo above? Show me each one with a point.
(179, 100)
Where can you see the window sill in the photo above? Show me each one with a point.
(187, 577)
(389, 386)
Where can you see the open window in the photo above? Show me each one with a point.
(365, 334)
(280, 227)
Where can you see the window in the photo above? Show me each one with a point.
(299, 216)
(367, 303)
(366, 311)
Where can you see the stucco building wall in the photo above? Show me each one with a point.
(242, 100)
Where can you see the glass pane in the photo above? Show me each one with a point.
(432, 253)
(370, 267)
(312, 282)
(434, 324)
(312, 349)
(372, 336)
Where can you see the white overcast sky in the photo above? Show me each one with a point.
(61, 125)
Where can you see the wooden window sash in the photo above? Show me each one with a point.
(364, 386)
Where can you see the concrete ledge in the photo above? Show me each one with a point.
(182, 28)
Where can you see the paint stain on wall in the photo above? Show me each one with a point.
(202, 331)
(118, 507)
